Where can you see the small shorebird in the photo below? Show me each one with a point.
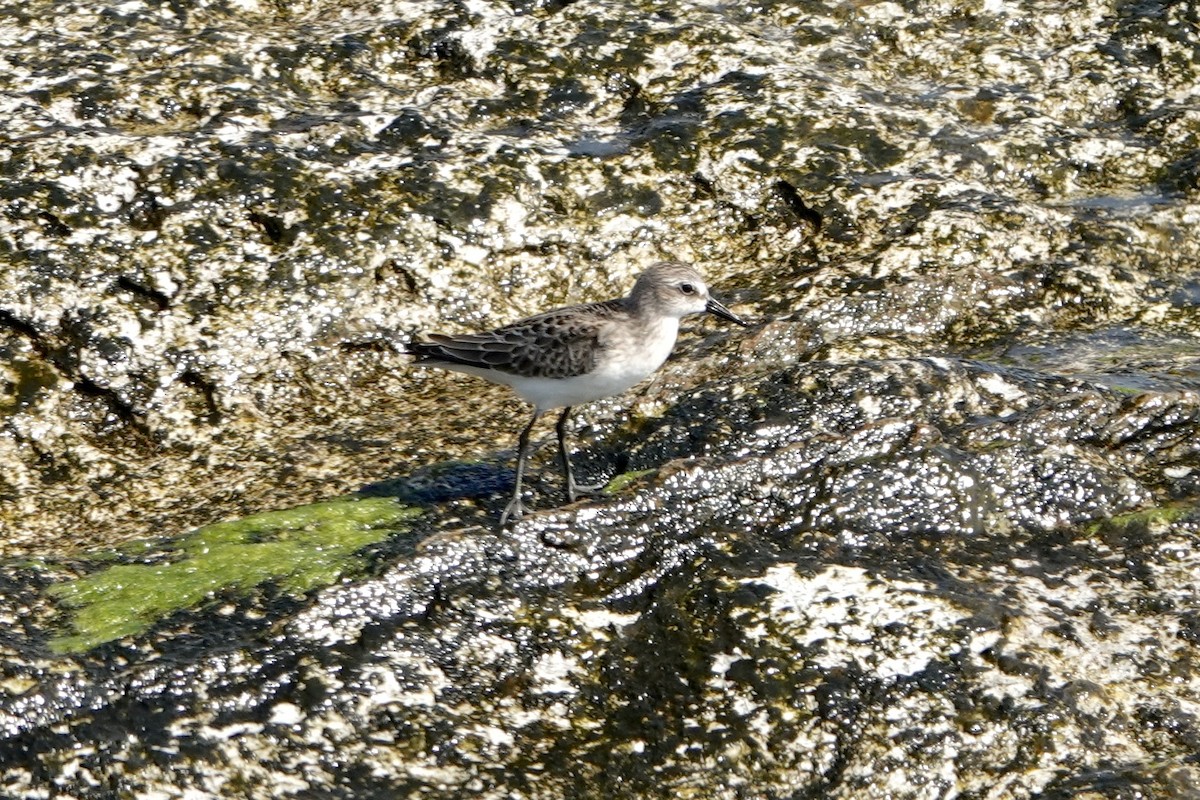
(573, 355)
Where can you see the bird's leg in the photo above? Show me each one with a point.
(573, 489)
(515, 507)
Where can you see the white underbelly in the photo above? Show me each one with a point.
(545, 393)
(625, 364)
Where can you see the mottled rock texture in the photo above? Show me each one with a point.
(926, 530)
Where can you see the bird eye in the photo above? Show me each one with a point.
(687, 288)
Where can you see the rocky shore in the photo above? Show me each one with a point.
(927, 529)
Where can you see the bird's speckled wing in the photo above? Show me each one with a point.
(562, 343)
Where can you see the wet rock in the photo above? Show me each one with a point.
(809, 586)
(231, 200)
(927, 529)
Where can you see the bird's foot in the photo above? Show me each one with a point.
(512, 512)
(576, 490)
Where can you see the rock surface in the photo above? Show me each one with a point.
(927, 530)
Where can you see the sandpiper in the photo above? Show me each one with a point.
(573, 355)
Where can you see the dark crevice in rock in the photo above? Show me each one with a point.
(394, 270)
(121, 409)
(52, 225)
(207, 390)
(61, 360)
(21, 326)
(159, 299)
(786, 192)
(275, 229)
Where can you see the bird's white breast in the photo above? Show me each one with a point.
(630, 355)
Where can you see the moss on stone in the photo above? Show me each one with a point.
(620, 482)
(1147, 518)
(300, 549)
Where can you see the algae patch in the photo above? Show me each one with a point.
(299, 549)
(1155, 518)
(625, 479)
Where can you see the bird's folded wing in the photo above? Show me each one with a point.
(552, 345)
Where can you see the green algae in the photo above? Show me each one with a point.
(620, 482)
(299, 549)
(1149, 519)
